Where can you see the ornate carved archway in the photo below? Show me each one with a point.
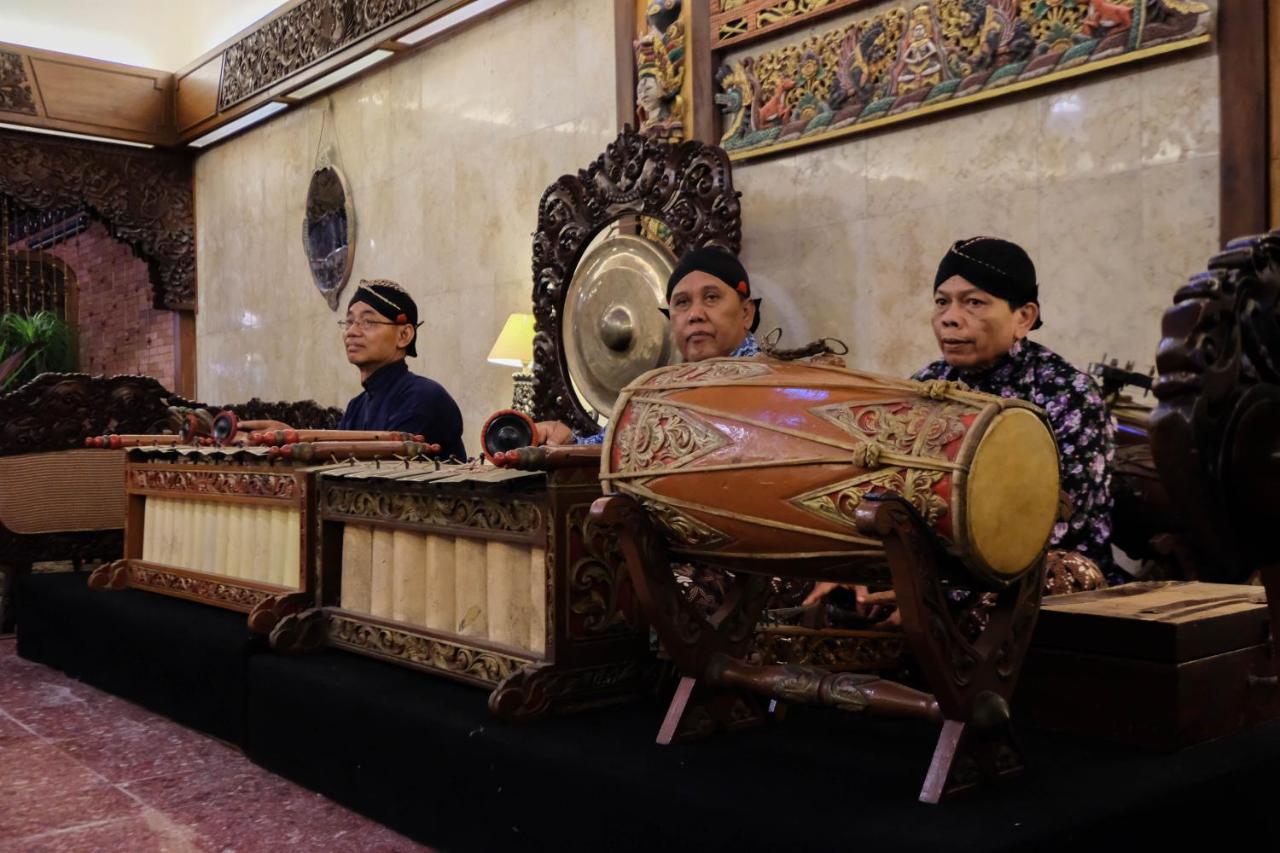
(687, 186)
(144, 197)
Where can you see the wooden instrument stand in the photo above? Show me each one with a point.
(972, 682)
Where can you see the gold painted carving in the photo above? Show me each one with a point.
(662, 436)
(921, 56)
(206, 590)
(515, 516)
(707, 371)
(422, 652)
(903, 427)
(733, 20)
(283, 486)
(685, 529)
(660, 64)
(837, 502)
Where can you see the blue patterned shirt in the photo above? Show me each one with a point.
(749, 347)
(1086, 438)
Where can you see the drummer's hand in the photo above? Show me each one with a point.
(873, 605)
(820, 591)
(870, 605)
(553, 433)
(250, 426)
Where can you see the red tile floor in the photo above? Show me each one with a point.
(81, 770)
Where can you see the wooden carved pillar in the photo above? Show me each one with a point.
(664, 68)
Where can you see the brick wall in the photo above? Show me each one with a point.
(117, 329)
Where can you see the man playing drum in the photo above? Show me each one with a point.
(986, 302)
(712, 316)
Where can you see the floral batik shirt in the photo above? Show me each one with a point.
(748, 348)
(1081, 424)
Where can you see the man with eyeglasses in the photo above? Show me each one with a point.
(381, 328)
(712, 316)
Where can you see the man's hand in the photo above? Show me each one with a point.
(243, 428)
(254, 426)
(870, 605)
(553, 433)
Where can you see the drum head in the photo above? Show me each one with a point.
(614, 328)
(1012, 494)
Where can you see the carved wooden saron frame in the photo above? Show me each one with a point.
(241, 479)
(911, 59)
(594, 643)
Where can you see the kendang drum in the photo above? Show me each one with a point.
(806, 470)
(745, 461)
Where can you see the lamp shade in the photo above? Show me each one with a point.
(514, 347)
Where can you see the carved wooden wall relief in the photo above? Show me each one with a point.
(300, 37)
(734, 21)
(662, 105)
(143, 196)
(920, 57)
(15, 88)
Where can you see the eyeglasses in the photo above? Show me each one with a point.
(364, 325)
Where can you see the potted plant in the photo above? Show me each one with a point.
(31, 345)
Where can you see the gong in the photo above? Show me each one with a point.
(606, 242)
(613, 314)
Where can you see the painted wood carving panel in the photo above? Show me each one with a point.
(911, 59)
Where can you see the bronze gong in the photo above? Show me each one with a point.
(612, 313)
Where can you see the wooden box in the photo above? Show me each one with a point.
(1159, 664)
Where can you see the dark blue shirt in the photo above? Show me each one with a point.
(395, 399)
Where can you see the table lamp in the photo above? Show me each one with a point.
(514, 348)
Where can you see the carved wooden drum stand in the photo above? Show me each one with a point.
(766, 468)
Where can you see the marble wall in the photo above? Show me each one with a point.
(1110, 181)
(447, 153)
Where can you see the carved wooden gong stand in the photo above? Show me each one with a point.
(687, 186)
(1215, 434)
(972, 681)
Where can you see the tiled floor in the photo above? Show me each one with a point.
(81, 770)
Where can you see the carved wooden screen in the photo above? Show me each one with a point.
(144, 198)
(687, 186)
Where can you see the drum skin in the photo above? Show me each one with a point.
(755, 463)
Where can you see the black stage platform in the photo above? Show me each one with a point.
(422, 755)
